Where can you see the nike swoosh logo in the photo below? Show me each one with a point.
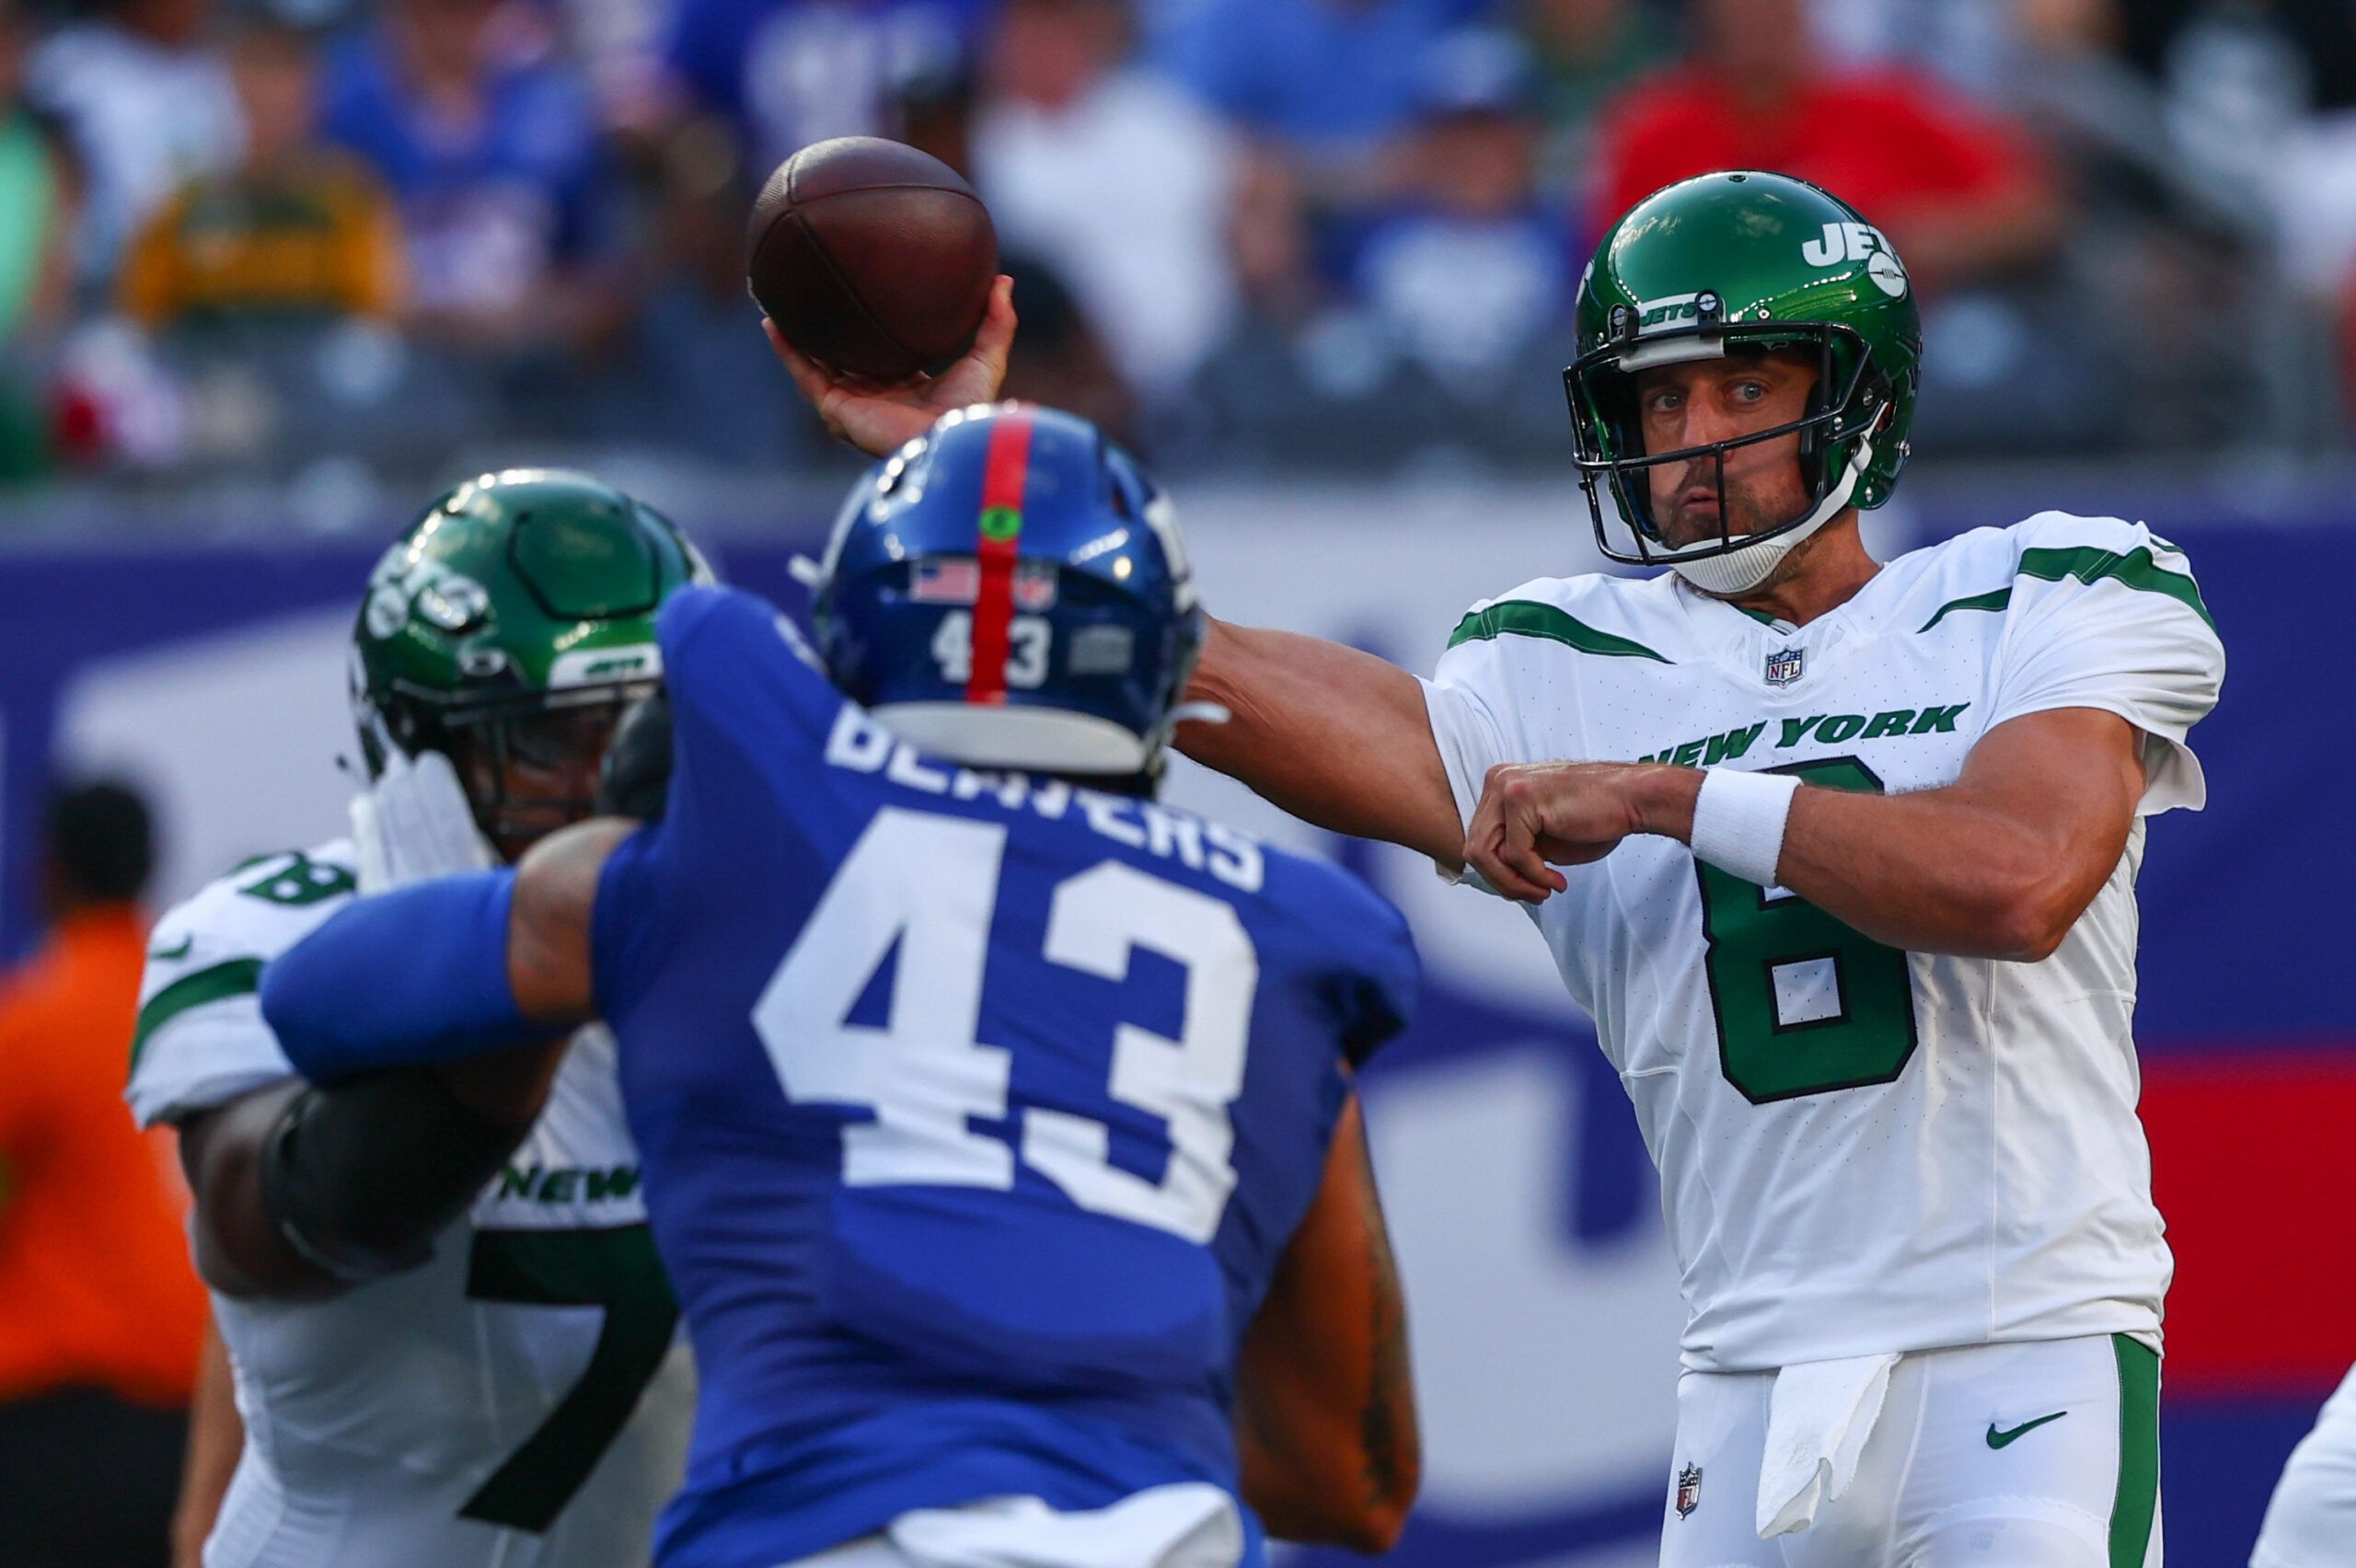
(1998, 1440)
(169, 953)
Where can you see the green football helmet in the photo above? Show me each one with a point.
(1743, 261)
(508, 629)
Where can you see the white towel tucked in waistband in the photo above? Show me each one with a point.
(1817, 1420)
(1189, 1525)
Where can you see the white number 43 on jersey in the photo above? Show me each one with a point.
(929, 884)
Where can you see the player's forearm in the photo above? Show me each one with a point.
(1325, 1420)
(215, 1438)
(240, 1251)
(406, 978)
(302, 1191)
(1331, 734)
(1942, 871)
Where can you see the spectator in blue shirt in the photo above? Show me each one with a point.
(491, 147)
(1472, 272)
(1323, 76)
(787, 72)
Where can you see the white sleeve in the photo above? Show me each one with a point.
(1469, 741)
(2105, 614)
(1468, 700)
(200, 1040)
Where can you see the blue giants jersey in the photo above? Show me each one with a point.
(976, 1109)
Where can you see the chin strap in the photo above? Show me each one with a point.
(1740, 571)
(1193, 713)
(1157, 742)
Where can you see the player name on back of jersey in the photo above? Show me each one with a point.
(861, 744)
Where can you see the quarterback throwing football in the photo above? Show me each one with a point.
(1839, 855)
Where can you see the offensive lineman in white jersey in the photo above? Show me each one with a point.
(1875, 1021)
(451, 1340)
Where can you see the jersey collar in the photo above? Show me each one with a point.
(1743, 640)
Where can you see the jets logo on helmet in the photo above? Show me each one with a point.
(1859, 242)
(1732, 263)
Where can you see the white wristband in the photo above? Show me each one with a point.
(1739, 820)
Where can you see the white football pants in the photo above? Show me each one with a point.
(2310, 1523)
(2039, 1454)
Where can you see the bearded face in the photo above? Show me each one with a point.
(1697, 402)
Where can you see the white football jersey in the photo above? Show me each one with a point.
(1862, 1150)
(523, 1400)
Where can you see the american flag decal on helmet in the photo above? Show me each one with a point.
(951, 581)
(947, 582)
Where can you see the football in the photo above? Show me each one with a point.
(873, 257)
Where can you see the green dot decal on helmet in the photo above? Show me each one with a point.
(1730, 264)
(509, 626)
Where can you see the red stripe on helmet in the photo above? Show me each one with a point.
(997, 533)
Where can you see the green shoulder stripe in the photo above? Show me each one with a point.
(1523, 618)
(237, 977)
(2135, 569)
(1994, 599)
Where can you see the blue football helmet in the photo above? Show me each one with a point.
(1009, 591)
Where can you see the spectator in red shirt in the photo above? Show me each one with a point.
(1961, 193)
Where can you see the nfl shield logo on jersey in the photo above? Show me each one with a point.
(1784, 666)
(1688, 1480)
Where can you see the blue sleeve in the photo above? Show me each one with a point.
(399, 979)
(626, 923)
(1379, 988)
(1382, 996)
(734, 662)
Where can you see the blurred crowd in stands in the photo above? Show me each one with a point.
(257, 237)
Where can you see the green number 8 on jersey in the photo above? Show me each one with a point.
(1804, 1003)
